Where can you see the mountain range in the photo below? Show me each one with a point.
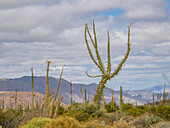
(131, 96)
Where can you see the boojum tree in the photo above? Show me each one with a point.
(105, 74)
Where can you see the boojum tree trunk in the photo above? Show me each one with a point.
(32, 85)
(105, 74)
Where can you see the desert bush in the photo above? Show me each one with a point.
(86, 107)
(136, 111)
(150, 120)
(10, 118)
(123, 124)
(94, 124)
(111, 117)
(60, 110)
(79, 115)
(100, 112)
(63, 122)
(110, 109)
(140, 121)
(161, 125)
(127, 106)
(163, 112)
(37, 122)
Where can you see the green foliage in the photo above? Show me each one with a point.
(79, 115)
(60, 110)
(37, 123)
(63, 122)
(100, 112)
(136, 111)
(150, 120)
(163, 111)
(127, 106)
(10, 118)
(109, 107)
(86, 107)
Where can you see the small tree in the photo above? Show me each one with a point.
(105, 74)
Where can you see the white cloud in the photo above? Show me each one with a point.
(33, 32)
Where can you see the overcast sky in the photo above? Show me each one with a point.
(33, 31)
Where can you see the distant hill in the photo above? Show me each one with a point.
(158, 88)
(24, 83)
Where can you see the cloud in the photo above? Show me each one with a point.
(32, 32)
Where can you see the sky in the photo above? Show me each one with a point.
(34, 31)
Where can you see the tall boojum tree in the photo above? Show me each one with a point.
(105, 74)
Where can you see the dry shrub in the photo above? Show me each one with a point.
(123, 124)
(63, 122)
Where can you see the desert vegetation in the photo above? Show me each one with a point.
(49, 113)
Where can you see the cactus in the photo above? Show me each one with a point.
(56, 93)
(46, 103)
(121, 99)
(106, 75)
(112, 101)
(82, 93)
(153, 96)
(3, 103)
(16, 100)
(32, 83)
(71, 92)
(85, 96)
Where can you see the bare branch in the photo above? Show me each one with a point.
(125, 57)
(93, 76)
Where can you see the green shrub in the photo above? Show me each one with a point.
(63, 122)
(100, 112)
(60, 110)
(163, 112)
(150, 120)
(10, 118)
(136, 111)
(127, 106)
(110, 109)
(86, 107)
(37, 122)
(79, 115)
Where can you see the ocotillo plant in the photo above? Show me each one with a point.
(16, 99)
(46, 104)
(32, 85)
(121, 99)
(106, 74)
(153, 96)
(112, 101)
(71, 92)
(56, 93)
(82, 93)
